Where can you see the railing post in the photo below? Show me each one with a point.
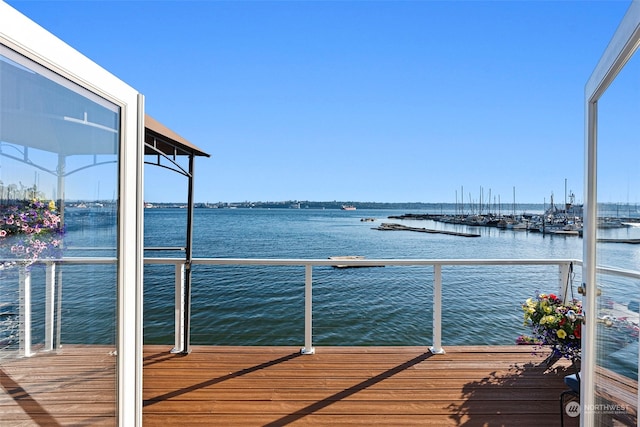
(49, 310)
(564, 274)
(58, 341)
(437, 310)
(308, 311)
(25, 312)
(179, 309)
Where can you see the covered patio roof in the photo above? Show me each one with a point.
(166, 145)
(158, 137)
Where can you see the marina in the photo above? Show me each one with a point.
(545, 224)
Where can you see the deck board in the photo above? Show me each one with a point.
(269, 386)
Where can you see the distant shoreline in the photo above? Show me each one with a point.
(609, 209)
(409, 206)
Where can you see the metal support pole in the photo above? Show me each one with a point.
(179, 309)
(437, 310)
(188, 257)
(25, 312)
(50, 301)
(308, 311)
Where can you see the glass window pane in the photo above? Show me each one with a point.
(59, 148)
(617, 233)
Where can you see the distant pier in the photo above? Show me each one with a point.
(434, 217)
(399, 227)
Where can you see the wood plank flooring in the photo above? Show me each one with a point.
(393, 386)
(72, 387)
(277, 386)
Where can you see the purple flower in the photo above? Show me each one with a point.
(35, 227)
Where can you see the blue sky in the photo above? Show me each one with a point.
(389, 101)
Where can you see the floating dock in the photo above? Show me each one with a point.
(399, 227)
(350, 258)
(630, 241)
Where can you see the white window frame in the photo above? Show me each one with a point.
(22, 35)
(623, 45)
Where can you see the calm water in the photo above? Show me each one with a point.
(260, 305)
(382, 306)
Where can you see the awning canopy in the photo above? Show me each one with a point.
(158, 137)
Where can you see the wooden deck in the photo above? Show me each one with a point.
(276, 386)
(75, 386)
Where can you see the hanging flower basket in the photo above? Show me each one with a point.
(554, 323)
(29, 230)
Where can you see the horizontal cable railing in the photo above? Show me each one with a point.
(182, 336)
(182, 311)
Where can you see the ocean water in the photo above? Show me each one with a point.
(264, 305)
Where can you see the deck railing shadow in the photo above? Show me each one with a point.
(344, 394)
(28, 403)
(212, 381)
(535, 386)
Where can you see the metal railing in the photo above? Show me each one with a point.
(53, 300)
(182, 310)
